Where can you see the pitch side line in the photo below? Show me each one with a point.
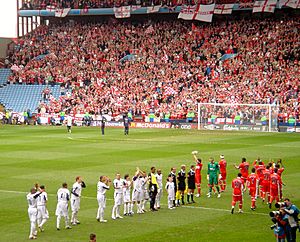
(192, 207)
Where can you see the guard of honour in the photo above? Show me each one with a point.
(264, 181)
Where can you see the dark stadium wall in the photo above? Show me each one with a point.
(3, 47)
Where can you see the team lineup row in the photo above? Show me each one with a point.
(264, 181)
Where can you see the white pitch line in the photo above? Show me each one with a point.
(192, 207)
(223, 210)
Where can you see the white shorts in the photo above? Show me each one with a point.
(159, 193)
(145, 195)
(32, 214)
(136, 196)
(62, 209)
(75, 204)
(118, 197)
(101, 201)
(171, 196)
(126, 197)
(42, 212)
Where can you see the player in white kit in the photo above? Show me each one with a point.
(126, 195)
(32, 211)
(69, 123)
(42, 215)
(102, 186)
(145, 193)
(75, 199)
(171, 192)
(63, 197)
(118, 196)
(137, 181)
(159, 179)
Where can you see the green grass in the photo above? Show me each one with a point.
(46, 155)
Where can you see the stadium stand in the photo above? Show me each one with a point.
(4, 74)
(22, 97)
(165, 66)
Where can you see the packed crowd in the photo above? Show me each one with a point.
(164, 66)
(87, 4)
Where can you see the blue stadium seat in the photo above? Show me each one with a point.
(23, 97)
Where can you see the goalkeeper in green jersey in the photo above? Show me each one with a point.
(213, 172)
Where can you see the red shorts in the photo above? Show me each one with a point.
(266, 187)
(237, 198)
(198, 179)
(274, 192)
(252, 192)
(223, 175)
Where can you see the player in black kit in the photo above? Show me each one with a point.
(181, 184)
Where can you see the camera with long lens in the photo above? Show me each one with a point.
(274, 213)
(280, 205)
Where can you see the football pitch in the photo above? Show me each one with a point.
(50, 156)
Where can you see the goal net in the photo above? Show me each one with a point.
(236, 116)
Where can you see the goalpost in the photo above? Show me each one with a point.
(238, 116)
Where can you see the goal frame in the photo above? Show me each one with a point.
(269, 106)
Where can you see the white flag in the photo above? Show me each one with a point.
(264, 6)
(122, 12)
(61, 13)
(205, 12)
(223, 8)
(153, 9)
(135, 7)
(187, 12)
(289, 3)
(50, 8)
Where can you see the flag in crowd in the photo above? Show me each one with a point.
(153, 9)
(246, 5)
(223, 8)
(135, 7)
(289, 3)
(169, 91)
(61, 13)
(122, 12)
(205, 12)
(187, 12)
(197, 12)
(264, 6)
(149, 30)
(51, 8)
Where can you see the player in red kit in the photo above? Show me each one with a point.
(266, 184)
(244, 169)
(280, 169)
(275, 187)
(222, 176)
(237, 195)
(197, 173)
(259, 167)
(252, 184)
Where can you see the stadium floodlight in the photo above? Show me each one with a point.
(238, 116)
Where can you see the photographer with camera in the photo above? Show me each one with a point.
(292, 211)
(281, 225)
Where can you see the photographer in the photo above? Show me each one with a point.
(292, 211)
(280, 226)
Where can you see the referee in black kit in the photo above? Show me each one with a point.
(126, 122)
(102, 123)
